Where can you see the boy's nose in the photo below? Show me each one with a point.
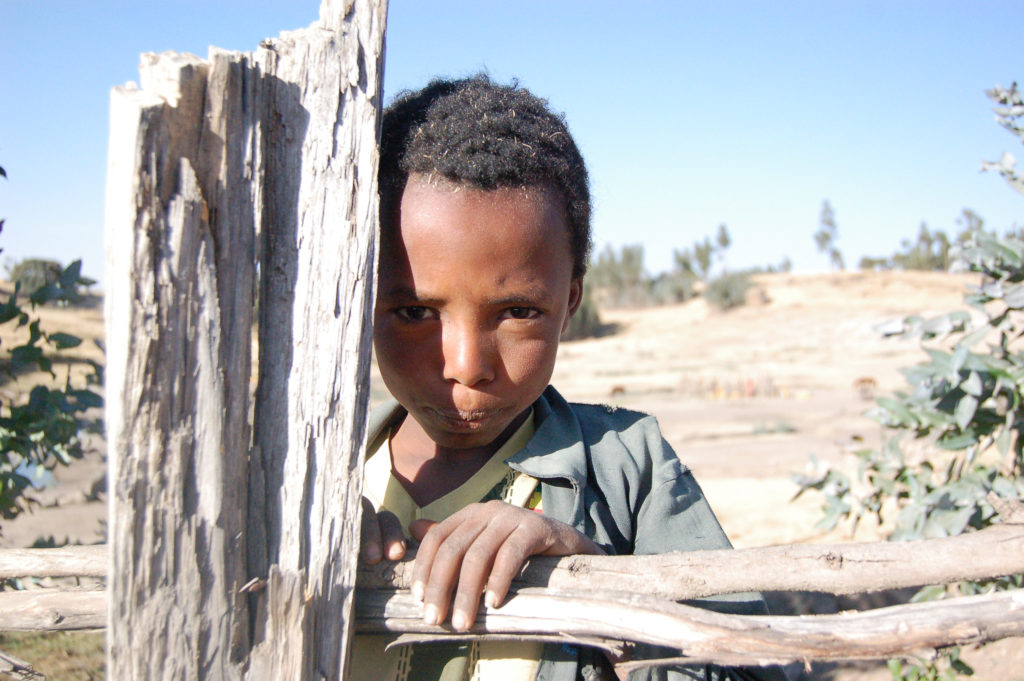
(468, 355)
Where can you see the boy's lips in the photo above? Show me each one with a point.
(464, 420)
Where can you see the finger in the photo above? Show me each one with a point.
(508, 561)
(371, 546)
(445, 565)
(392, 537)
(477, 571)
(429, 534)
(419, 528)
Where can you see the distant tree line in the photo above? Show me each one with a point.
(934, 251)
(619, 279)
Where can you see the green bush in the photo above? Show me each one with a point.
(586, 322)
(965, 409)
(728, 290)
(963, 414)
(47, 429)
(48, 281)
(34, 273)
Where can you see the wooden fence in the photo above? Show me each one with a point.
(234, 520)
(609, 601)
(241, 178)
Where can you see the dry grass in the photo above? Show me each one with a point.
(59, 655)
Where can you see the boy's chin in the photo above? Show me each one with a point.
(466, 438)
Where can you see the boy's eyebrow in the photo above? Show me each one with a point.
(528, 296)
(524, 299)
(398, 291)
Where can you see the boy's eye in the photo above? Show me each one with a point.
(414, 313)
(523, 312)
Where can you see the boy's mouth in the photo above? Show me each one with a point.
(464, 420)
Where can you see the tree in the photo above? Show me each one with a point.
(722, 239)
(825, 237)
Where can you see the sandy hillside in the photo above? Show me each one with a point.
(744, 397)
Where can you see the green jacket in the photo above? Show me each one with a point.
(609, 473)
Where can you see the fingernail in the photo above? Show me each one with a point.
(459, 621)
(372, 554)
(491, 599)
(417, 590)
(396, 551)
(430, 615)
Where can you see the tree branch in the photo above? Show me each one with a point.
(996, 551)
(708, 637)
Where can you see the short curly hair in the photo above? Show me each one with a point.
(485, 135)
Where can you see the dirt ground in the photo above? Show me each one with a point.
(744, 397)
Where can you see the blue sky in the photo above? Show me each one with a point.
(690, 114)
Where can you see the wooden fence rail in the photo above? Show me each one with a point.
(606, 600)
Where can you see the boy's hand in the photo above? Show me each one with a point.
(381, 535)
(482, 546)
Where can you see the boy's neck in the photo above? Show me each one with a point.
(429, 471)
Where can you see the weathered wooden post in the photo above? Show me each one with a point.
(233, 547)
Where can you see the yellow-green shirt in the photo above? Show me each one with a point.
(472, 661)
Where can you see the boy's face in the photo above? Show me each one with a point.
(475, 289)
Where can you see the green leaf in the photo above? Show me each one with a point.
(929, 593)
(962, 668)
(1003, 441)
(898, 410)
(973, 385)
(1004, 488)
(959, 357)
(965, 410)
(70, 276)
(975, 336)
(938, 326)
(87, 398)
(957, 441)
(1014, 298)
(26, 354)
(44, 294)
(65, 340)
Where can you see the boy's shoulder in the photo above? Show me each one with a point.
(598, 420)
(607, 432)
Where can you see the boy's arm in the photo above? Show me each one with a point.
(479, 550)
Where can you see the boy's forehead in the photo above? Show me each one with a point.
(425, 193)
(437, 221)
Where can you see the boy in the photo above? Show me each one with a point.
(485, 233)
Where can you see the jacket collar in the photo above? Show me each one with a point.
(556, 449)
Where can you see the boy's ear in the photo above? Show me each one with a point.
(575, 298)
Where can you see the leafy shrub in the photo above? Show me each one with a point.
(48, 281)
(958, 432)
(34, 273)
(728, 290)
(46, 430)
(586, 322)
